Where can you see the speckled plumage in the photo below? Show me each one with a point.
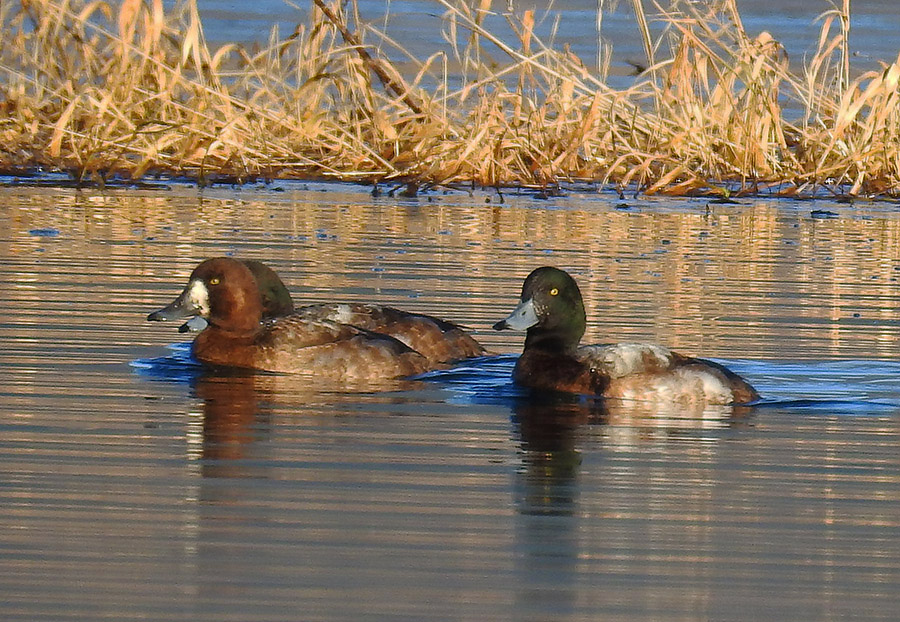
(552, 312)
(438, 340)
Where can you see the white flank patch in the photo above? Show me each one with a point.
(623, 359)
(342, 315)
(714, 390)
(682, 386)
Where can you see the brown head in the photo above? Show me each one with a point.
(224, 292)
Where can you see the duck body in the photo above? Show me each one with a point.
(438, 340)
(295, 345)
(552, 312)
(353, 341)
(633, 371)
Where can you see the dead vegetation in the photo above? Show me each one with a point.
(126, 89)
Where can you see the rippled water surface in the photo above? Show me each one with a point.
(136, 486)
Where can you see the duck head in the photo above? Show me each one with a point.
(223, 291)
(551, 310)
(276, 299)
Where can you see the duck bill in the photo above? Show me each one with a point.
(523, 317)
(194, 325)
(192, 302)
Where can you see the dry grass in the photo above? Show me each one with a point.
(126, 89)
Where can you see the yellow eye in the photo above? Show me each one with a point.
(214, 280)
(554, 292)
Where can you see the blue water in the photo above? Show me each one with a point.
(418, 26)
(843, 387)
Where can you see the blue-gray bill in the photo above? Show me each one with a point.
(522, 317)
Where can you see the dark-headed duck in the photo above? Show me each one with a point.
(552, 312)
(338, 340)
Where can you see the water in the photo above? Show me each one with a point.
(135, 487)
(418, 26)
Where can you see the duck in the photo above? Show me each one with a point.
(438, 340)
(342, 341)
(551, 311)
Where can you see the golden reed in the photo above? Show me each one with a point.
(126, 88)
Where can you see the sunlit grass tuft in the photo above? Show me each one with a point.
(128, 89)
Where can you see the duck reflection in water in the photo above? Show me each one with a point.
(237, 409)
(559, 436)
(552, 426)
(232, 422)
(549, 429)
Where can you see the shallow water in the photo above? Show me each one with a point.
(135, 486)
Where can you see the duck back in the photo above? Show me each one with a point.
(649, 372)
(437, 340)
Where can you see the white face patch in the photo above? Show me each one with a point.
(198, 294)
